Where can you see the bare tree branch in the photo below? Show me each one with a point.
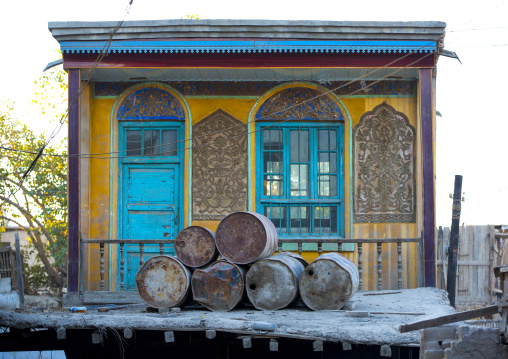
(29, 215)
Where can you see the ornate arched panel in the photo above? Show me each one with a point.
(150, 103)
(384, 167)
(299, 103)
(219, 167)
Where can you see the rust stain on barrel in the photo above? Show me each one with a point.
(163, 282)
(220, 287)
(245, 237)
(195, 246)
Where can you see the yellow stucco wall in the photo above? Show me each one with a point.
(101, 183)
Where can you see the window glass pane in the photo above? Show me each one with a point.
(327, 140)
(325, 219)
(323, 140)
(278, 215)
(299, 180)
(151, 145)
(168, 147)
(333, 140)
(300, 221)
(133, 143)
(273, 162)
(333, 162)
(272, 140)
(327, 186)
(273, 185)
(324, 162)
(299, 146)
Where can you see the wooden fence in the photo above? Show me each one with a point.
(481, 248)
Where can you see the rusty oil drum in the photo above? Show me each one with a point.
(219, 287)
(272, 283)
(246, 237)
(329, 282)
(163, 282)
(195, 246)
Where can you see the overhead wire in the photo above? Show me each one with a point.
(103, 154)
(71, 106)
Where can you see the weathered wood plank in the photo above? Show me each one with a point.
(101, 297)
(447, 319)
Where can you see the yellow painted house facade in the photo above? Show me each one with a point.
(329, 133)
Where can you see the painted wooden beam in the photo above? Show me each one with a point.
(73, 184)
(426, 107)
(249, 60)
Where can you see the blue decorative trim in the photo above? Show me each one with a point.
(250, 46)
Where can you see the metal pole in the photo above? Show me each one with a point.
(19, 270)
(454, 240)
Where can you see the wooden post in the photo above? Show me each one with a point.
(19, 270)
(73, 184)
(429, 226)
(454, 241)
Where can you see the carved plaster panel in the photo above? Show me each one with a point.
(151, 103)
(219, 167)
(299, 103)
(384, 167)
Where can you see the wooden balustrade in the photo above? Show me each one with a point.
(319, 241)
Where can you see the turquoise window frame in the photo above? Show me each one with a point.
(312, 199)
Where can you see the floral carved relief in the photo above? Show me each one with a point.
(384, 167)
(151, 103)
(219, 166)
(299, 103)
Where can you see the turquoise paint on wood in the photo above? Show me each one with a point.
(150, 196)
(150, 203)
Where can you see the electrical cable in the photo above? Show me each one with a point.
(105, 155)
(71, 106)
(98, 155)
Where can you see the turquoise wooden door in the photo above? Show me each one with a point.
(150, 186)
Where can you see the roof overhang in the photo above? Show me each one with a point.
(248, 49)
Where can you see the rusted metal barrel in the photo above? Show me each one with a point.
(246, 237)
(195, 246)
(329, 282)
(163, 282)
(219, 287)
(272, 283)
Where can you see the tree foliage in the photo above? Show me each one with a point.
(39, 203)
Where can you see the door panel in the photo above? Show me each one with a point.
(150, 194)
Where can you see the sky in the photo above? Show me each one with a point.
(471, 134)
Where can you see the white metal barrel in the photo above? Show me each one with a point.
(272, 283)
(329, 282)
